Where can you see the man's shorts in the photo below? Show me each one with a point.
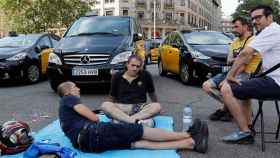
(216, 80)
(103, 136)
(131, 109)
(257, 88)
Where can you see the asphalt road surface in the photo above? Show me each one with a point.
(37, 104)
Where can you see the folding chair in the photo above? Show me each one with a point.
(262, 132)
(260, 112)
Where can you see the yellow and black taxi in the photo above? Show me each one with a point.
(25, 56)
(93, 48)
(193, 54)
(152, 50)
(155, 50)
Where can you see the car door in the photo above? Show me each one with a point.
(45, 47)
(173, 53)
(164, 52)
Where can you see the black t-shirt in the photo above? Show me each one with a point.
(134, 92)
(71, 121)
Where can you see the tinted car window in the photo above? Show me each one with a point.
(206, 38)
(19, 41)
(87, 25)
(54, 41)
(45, 41)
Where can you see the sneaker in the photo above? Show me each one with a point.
(217, 115)
(201, 138)
(227, 117)
(239, 137)
(196, 126)
(147, 122)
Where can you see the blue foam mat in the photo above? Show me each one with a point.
(54, 133)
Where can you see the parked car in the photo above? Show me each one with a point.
(93, 48)
(230, 35)
(151, 49)
(193, 54)
(155, 50)
(25, 56)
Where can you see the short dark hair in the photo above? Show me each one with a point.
(244, 21)
(267, 10)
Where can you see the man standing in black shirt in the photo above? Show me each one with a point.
(128, 95)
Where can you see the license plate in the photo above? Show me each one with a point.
(225, 68)
(84, 72)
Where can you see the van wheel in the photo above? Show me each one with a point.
(32, 74)
(161, 70)
(185, 74)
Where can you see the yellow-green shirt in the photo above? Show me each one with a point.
(235, 48)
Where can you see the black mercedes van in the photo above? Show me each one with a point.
(92, 49)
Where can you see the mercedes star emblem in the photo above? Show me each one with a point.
(85, 59)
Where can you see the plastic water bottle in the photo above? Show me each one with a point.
(187, 117)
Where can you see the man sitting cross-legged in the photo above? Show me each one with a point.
(127, 101)
(87, 133)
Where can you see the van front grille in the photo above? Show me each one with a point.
(86, 59)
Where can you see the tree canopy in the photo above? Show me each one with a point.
(245, 6)
(27, 16)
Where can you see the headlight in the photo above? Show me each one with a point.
(122, 57)
(199, 55)
(53, 58)
(17, 57)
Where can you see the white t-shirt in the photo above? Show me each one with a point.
(267, 42)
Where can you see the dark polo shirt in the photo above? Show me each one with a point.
(134, 92)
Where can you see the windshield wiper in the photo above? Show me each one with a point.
(95, 33)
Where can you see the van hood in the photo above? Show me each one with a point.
(216, 51)
(93, 44)
(6, 52)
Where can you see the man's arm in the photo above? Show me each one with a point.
(243, 58)
(153, 97)
(86, 112)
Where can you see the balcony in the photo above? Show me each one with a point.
(157, 5)
(169, 6)
(140, 4)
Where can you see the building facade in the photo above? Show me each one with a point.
(226, 25)
(169, 15)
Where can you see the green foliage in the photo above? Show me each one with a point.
(29, 16)
(246, 5)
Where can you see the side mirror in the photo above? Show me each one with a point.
(183, 48)
(137, 37)
(38, 49)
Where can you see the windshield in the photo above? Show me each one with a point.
(18, 41)
(207, 38)
(99, 25)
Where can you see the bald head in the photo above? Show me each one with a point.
(65, 88)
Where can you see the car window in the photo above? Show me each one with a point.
(54, 41)
(45, 41)
(166, 41)
(207, 38)
(90, 25)
(177, 40)
(18, 41)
